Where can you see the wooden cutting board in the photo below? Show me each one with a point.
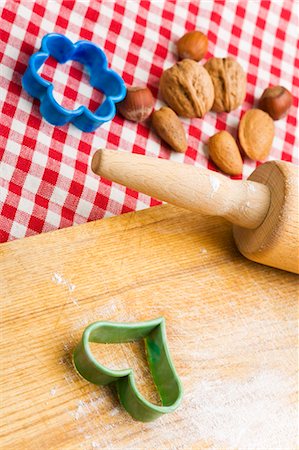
(231, 327)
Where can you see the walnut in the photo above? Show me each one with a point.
(229, 81)
(187, 88)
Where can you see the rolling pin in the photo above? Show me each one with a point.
(263, 209)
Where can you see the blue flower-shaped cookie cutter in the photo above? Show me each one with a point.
(102, 78)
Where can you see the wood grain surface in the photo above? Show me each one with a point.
(231, 326)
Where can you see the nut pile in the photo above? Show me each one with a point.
(191, 90)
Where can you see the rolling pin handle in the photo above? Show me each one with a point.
(244, 203)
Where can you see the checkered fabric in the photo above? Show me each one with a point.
(45, 177)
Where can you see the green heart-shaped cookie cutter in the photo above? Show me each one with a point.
(162, 369)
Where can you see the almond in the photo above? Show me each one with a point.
(224, 152)
(168, 126)
(256, 134)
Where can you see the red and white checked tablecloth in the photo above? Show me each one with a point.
(45, 177)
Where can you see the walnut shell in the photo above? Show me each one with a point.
(229, 80)
(187, 88)
(256, 134)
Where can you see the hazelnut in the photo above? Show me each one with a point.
(256, 134)
(192, 45)
(229, 80)
(187, 88)
(137, 105)
(276, 101)
(168, 126)
(223, 150)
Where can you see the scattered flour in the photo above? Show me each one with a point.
(215, 184)
(250, 414)
(81, 410)
(114, 411)
(203, 250)
(53, 391)
(84, 408)
(109, 311)
(59, 279)
(242, 414)
(69, 378)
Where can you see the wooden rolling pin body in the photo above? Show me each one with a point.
(263, 209)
